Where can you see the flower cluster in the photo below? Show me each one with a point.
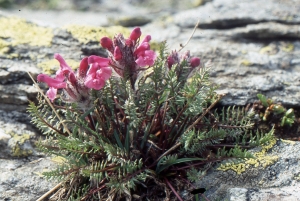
(128, 56)
(92, 73)
(175, 59)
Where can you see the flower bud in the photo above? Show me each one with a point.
(195, 61)
(146, 39)
(135, 34)
(83, 67)
(170, 61)
(106, 43)
(117, 53)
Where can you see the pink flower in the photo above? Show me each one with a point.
(51, 93)
(98, 73)
(64, 67)
(59, 81)
(128, 56)
(93, 71)
(146, 59)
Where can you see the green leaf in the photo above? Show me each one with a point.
(177, 161)
(263, 100)
(118, 139)
(87, 113)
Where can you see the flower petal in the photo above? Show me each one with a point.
(100, 60)
(147, 59)
(64, 67)
(117, 53)
(83, 67)
(51, 93)
(140, 49)
(93, 83)
(104, 73)
(51, 82)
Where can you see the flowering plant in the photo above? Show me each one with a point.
(136, 124)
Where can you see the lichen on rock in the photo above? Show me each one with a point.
(20, 145)
(260, 159)
(86, 34)
(50, 66)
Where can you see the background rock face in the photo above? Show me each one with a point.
(253, 46)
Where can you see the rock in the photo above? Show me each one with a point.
(224, 14)
(16, 139)
(17, 94)
(130, 21)
(251, 51)
(273, 175)
(21, 179)
(269, 30)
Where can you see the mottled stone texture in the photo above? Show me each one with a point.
(253, 46)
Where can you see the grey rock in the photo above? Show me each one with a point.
(253, 46)
(277, 178)
(237, 194)
(226, 14)
(268, 30)
(21, 179)
(130, 21)
(17, 136)
(17, 94)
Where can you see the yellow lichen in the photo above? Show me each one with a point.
(85, 34)
(270, 50)
(288, 47)
(260, 160)
(246, 62)
(297, 176)
(52, 65)
(20, 140)
(3, 47)
(19, 31)
(58, 159)
(288, 141)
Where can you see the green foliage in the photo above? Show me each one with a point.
(287, 117)
(142, 131)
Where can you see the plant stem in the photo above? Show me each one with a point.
(172, 188)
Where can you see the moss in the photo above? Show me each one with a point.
(52, 65)
(86, 34)
(261, 159)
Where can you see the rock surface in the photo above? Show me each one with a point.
(252, 51)
(273, 175)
